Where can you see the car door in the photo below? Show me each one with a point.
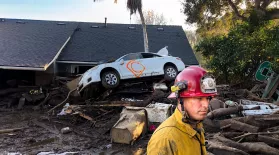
(153, 63)
(130, 66)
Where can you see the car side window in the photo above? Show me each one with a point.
(149, 55)
(132, 56)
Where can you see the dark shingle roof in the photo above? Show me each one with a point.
(31, 43)
(106, 43)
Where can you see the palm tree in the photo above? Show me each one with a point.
(136, 6)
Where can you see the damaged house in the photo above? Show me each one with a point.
(34, 51)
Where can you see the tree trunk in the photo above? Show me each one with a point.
(145, 38)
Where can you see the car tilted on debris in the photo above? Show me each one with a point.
(131, 66)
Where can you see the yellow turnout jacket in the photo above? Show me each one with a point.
(174, 137)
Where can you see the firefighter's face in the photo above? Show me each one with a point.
(196, 107)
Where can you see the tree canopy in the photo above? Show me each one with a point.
(208, 11)
(235, 57)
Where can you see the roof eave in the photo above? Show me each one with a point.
(23, 68)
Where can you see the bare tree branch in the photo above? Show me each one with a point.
(257, 4)
(236, 10)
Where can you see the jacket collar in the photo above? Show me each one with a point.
(184, 126)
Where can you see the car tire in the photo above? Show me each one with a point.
(110, 79)
(170, 72)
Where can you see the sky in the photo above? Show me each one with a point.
(89, 11)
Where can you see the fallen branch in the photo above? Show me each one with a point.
(237, 125)
(259, 133)
(231, 134)
(249, 147)
(223, 112)
(10, 130)
(213, 146)
(62, 103)
(269, 140)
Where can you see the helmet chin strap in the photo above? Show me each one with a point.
(186, 118)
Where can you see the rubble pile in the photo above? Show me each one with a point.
(240, 121)
(38, 97)
(243, 127)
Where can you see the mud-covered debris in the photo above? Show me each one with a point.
(160, 86)
(21, 103)
(132, 124)
(66, 130)
(10, 130)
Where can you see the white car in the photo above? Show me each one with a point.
(131, 66)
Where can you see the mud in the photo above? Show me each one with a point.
(42, 133)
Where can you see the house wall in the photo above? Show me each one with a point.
(44, 77)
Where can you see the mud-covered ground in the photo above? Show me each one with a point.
(42, 133)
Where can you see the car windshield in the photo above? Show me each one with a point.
(131, 56)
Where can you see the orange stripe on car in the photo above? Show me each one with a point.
(137, 73)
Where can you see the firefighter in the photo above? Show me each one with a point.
(182, 133)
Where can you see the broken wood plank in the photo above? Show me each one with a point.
(10, 130)
(85, 116)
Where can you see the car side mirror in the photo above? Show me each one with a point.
(121, 62)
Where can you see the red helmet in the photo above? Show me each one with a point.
(193, 81)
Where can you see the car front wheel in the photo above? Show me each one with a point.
(170, 73)
(110, 79)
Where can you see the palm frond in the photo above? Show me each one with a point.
(134, 5)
